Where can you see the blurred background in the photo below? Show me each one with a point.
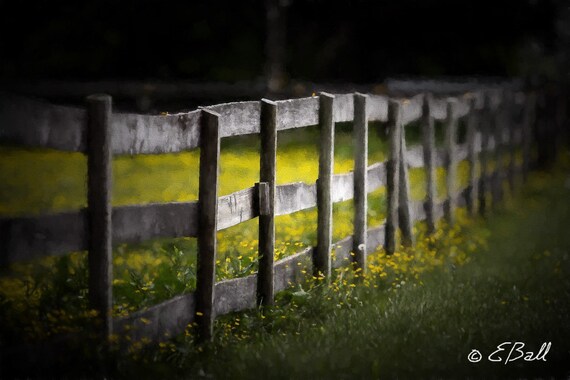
(157, 56)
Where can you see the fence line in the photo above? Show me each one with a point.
(101, 133)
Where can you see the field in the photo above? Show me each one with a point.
(46, 297)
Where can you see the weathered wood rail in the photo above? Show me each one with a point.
(100, 133)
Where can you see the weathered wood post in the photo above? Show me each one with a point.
(404, 214)
(472, 122)
(512, 146)
(428, 140)
(484, 155)
(322, 253)
(498, 172)
(360, 180)
(393, 174)
(527, 131)
(207, 223)
(99, 210)
(450, 159)
(266, 196)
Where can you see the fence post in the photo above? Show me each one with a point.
(360, 180)
(497, 128)
(99, 187)
(404, 214)
(450, 164)
(392, 174)
(428, 139)
(472, 156)
(527, 128)
(267, 165)
(484, 127)
(322, 253)
(512, 147)
(207, 222)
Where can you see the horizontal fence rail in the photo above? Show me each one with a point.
(34, 123)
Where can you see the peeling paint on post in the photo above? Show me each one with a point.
(99, 187)
(207, 223)
(268, 154)
(322, 253)
(393, 174)
(360, 179)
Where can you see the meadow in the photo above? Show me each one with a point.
(43, 298)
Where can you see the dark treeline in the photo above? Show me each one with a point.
(224, 40)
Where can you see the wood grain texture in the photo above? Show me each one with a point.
(294, 197)
(288, 271)
(99, 222)
(405, 221)
(472, 127)
(207, 223)
(450, 158)
(35, 123)
(236, 208)
(239, 118)
(377, 108)
(235, 294)
(376, 176)
(322, 254)
(343, 108)
(342, 187)
(296, 113)
(159, 322)
(267, 174)
(153, 134)
(360, 142)
(393, 173)
(429, 158)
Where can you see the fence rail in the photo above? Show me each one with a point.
(499, 123)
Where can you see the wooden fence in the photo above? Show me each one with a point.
(498, 120)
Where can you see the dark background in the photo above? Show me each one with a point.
(315, 41)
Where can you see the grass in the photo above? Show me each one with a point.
(505, 279)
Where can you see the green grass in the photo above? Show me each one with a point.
(515, 286)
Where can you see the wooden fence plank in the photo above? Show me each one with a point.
(296, 113)
(404, 216)
(235, 294)
(238, 118)
(207, 214)
(377, 108)
(153, 134)
(294, 197)
(472, 158)
(412, 109)
(393, 174)
(236, 208)
(99, 186)
(159, 322)
(450, 163)
(343, 109)
(289, 270)
(360, 139)
(268, 157)
(428, 140)
(376, 176)
(322, 254)
(35, 123)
